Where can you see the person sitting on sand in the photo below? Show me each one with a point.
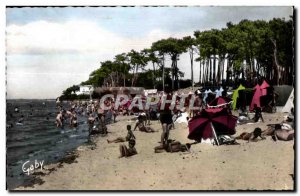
(122, 139)
(140, 124)
(173, 146)
(270, 130)
(178, 147)
(290, 119)
(278, 133)
(143, 117)
(283, 135)
(251, 136)
(126, 152)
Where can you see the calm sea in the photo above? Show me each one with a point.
(38, 138)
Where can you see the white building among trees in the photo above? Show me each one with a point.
(85, 90)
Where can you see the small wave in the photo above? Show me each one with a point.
(60, 141)
(71, 136)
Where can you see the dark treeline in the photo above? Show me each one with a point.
(249, 50)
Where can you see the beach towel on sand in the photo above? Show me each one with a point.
(182, 118)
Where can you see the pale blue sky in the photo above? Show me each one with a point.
(121, 19)
(63, 45)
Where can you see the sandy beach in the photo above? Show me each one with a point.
(262, 165)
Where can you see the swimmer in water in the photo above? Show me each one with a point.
(59, 119)
(74, 119)
(9, 126)
(91, 121)
(21, 119)
(16, 109)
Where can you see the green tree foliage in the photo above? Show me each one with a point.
(69, 93)
(172, 47)
(190, 44)
(137, 60)
(252, 49)
(122, 61)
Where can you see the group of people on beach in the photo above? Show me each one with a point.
(283, 131)
(97, 119)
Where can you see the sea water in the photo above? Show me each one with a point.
(37, 138)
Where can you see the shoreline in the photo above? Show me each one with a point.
(69, 158)
(207, 167)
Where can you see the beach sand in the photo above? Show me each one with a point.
(262, 165)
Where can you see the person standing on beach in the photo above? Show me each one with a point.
(166, 119)
(114, 111)
(258, 114)
(101, 119)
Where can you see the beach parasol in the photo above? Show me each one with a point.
(219, 101)
(210, 123)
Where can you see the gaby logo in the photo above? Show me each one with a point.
(28, 168)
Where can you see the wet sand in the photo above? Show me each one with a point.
(262, 165)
